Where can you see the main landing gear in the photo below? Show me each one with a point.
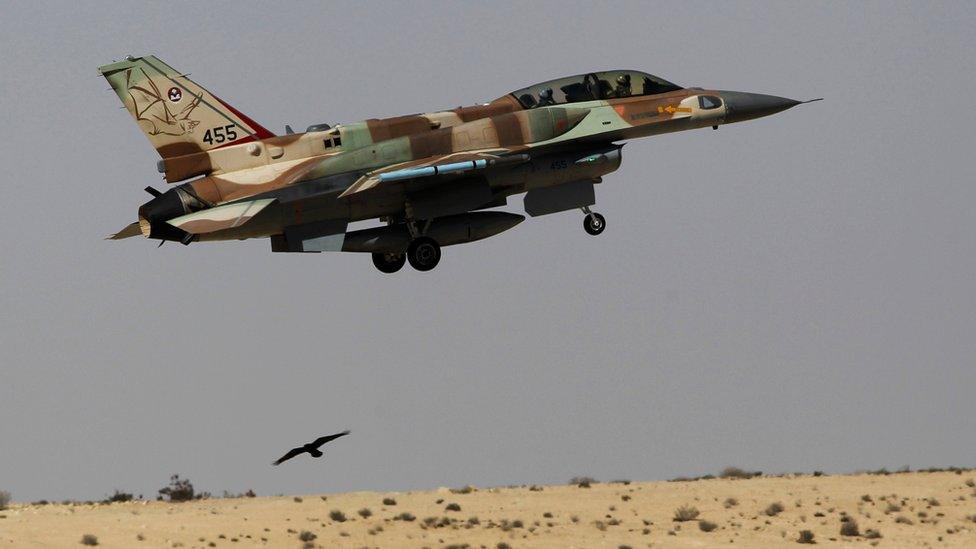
(389, 263)
(593, 223)
(423, 254)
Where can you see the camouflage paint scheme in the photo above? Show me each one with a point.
(553, 140)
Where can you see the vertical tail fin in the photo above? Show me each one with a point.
(178, 115)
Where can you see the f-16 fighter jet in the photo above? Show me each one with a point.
(431, 180)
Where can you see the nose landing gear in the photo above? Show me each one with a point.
(593, 223)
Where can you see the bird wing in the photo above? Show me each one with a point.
(291, 453)
(322, 440)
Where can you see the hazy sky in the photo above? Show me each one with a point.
(788, 294)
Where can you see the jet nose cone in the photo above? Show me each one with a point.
(746, 106)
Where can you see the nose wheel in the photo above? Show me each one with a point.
(389, 263)
(424, 253)
(593, 223)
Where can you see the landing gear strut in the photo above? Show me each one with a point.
(424, 253)
(389, 263)
(593, 223)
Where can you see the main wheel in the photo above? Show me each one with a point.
(424, 253)
(594, 223)
(389, 263)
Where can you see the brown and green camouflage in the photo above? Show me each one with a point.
(553, 141)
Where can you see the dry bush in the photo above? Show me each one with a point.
(582, 482)
(337, 515)
(307, 536)
(849, 528)
(903, 520)
(806, 536)
(365, 513)
(408, 517)
(179, 489)
(452, 507)
(89, 539)
(774, 509)
(463, 490)
(118, 497)
(389, 501)
(685, 513)
(730, 502)
(735, 472)
(706, 526)
(872, 534)
(4, 499)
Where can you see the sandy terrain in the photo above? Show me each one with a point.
(605, 515)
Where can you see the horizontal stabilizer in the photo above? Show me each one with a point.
(132, 229)
(223, 217)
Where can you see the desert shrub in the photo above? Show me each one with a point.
(307, 536)
(118, 497)
(406, 517)
(4, 499)
(730, 502)
(582, 482)
(389, 501)
(866, 498)
(806, 536)
(452, 507)
(849, 528)
(365, 513)
(503, 545)
(463, 490)
(892, 507)
(706, 526)
(337, 515)
(685, 513)
(179, 489)
(903, 520)
(774, 509)
(872, 534)
(89, 539)
(297, 499)
(971, 483)
(735, 472)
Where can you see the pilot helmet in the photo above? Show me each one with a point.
(623, 79)
(545, 93)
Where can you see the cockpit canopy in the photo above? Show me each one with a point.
(592, 86)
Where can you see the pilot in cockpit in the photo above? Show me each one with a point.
(623, 86)
(545, 97)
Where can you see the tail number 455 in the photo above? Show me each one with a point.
(220, 134)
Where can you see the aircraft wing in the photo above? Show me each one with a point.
(430, 171)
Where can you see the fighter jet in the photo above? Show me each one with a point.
(430, 180)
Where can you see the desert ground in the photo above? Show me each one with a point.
(895, 510)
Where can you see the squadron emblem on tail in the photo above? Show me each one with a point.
(152, 111)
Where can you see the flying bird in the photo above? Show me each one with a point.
(312, 448)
